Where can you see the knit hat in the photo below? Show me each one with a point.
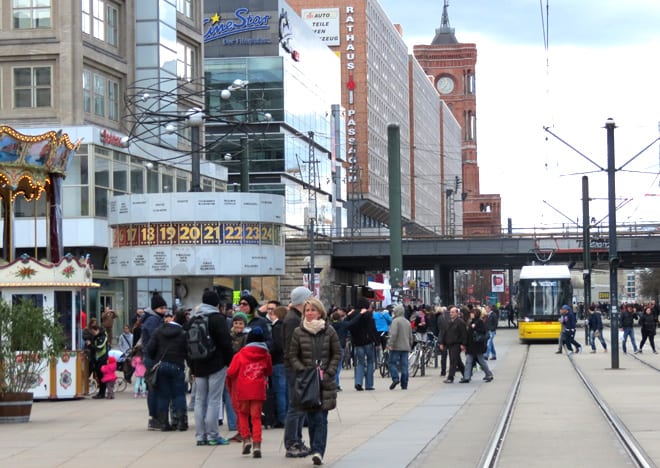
(240, 316)
(157, 301)
(112, 359)
(565, 307)
(256, 335)
(299, 295)
(362, 303)
(250, 300)
(211, 298)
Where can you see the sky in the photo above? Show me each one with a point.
(601, 62)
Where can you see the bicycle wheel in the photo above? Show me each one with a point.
(120, 384)
(413, 362)
(384, 365)
(428, 353)
(348, 357)
(92, 386)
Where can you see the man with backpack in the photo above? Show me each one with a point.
(209, 353)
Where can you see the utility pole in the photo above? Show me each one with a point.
(586, 247)
(613, 254)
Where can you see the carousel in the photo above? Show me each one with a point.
(33, 166)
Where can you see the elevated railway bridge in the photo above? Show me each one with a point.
(637, 247)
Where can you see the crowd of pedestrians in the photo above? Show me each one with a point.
(646, 316)
(256, 355)
(250, 377)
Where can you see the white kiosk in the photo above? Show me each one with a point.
(32, 166)
(57, 288)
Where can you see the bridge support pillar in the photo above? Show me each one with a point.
(444, 284)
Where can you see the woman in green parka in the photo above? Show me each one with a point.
(316, 340)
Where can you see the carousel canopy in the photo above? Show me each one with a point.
(26, 272)
(28, 161)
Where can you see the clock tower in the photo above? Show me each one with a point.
(451, 65)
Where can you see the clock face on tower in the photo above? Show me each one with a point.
(445, 84)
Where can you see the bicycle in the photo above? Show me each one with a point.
(413, 360)
(383, 365)
(421, 354)
(93, 386)
(348, 356)
(430, 349)
(120, 383)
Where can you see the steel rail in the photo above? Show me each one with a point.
(491, 454)
(630, 444)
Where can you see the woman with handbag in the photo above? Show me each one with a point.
(167, 349)
(476, 347)
(315, 352)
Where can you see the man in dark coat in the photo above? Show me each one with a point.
(364, 337)
(442, 323)
(455, 340)
(570, 324)
(627, 322)
(152, 319)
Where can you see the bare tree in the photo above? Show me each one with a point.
(650, 283)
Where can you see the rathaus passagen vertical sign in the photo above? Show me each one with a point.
(351, 126)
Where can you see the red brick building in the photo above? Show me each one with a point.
(451, 65)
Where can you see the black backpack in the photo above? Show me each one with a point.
(199, 343)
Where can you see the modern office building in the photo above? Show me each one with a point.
(69, 66)
(451, 65)
(381, 85)
(280, 133)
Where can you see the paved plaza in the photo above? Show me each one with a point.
(427, 424)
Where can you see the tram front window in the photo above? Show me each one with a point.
(541, 299)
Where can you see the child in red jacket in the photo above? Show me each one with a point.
(247, 379)
(109, 377)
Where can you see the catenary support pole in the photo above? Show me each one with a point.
(394, 166)
(586, 248)
(613, 254)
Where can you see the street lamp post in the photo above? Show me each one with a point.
(195, 122)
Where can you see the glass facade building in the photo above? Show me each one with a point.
(293, 78)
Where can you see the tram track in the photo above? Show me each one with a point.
(497, 444)
(638, 358)
(628, 441)
(492, 451)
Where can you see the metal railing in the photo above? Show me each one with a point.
(435, 232)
